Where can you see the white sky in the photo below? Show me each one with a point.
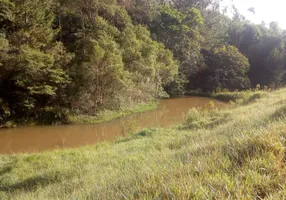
(266, 10)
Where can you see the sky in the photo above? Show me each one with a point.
(266, 10)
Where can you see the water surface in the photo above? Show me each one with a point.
(41, 138)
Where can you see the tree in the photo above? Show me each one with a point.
(6, 15)
(275, 29)
(116, 63)
(268, 62)
(250, 36)
(179, 32)
(84, 56)
(32, 72)
(226, 68)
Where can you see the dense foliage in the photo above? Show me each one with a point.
(84, 56)
(60, 57)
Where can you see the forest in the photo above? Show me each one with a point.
(61, 57)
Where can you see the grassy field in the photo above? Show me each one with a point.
(238, 153)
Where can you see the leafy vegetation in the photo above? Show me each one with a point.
(107, 115)
(244, 97)
(234, 153)
(93, 60)
(59, 59)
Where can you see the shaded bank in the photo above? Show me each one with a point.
(107, 115)
(102, 116)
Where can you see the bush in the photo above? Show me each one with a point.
(52, 115)
(244, 97)
(205, 119)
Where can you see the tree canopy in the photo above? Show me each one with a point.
(59, 57)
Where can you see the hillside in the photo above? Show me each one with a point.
(61, 60)
(237, 153)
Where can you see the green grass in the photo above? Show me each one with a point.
(243, 97)
(238, 153)
(107, 115)
(237, 97)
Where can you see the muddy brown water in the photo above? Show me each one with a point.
(41, 138)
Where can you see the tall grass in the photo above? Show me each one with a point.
(237, 153)
(243, 97)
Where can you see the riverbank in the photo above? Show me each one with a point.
(238, 153)
(107, 115)
(239, 97)
(102, 116)
(170, 112)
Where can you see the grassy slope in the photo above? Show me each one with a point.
(237, 153)
(245, 97)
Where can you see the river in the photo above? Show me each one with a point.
(41, 138)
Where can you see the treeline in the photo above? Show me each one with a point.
(61, 57)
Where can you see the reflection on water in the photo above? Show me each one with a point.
(40, 138)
